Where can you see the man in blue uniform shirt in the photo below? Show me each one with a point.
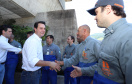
(115, 55)
(11, 62)
(86, 54)
(51, 52)
(68, 53)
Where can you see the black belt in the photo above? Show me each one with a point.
(3, 63)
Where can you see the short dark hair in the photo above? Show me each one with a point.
(118, 11)
(36, 23)
(72, 38)
(51, 36)
(5, 28)
(30, 32)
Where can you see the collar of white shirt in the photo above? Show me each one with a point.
(4, 38)
(36, 36)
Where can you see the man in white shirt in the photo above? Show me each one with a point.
(33, 56)
(5, 32)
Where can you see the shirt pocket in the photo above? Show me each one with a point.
(112, 60)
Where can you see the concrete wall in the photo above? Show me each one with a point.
(11, 9)
(62, 23)
(37, 6)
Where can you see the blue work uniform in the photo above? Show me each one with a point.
(68, 53)
(115, 56)
(11, 63)
(86, 55)
(50, 53)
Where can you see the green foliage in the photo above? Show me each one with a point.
(20, 33)
(98, 36)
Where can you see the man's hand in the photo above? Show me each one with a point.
(20, 52)
(59, 62)
(55, 66)
(76, 72)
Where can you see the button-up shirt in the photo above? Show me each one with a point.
(16, 44)
(4, 47)
(53, 50)
(91, 47)
(69, 51)
(32, 53)
(115, 56)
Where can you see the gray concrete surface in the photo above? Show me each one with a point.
(11, 9)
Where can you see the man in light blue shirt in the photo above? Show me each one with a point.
(115, 55)
(86, 54)
(51, 52)
(5, 32)
(11, 62)
(68, 53)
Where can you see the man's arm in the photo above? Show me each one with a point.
(7, 46)
(125, 60)
(74, 60)
(84, 71)
(76, 72)
(88, 71)
(20, 52)
(58, 53)
(53, 65)
(64, 54)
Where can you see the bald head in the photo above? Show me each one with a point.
(86, 27)
(83, 33)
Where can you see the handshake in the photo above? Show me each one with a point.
(56, 65)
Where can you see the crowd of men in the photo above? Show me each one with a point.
(92, 62)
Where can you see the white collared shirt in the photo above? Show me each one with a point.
(4, 47)
(32, 53)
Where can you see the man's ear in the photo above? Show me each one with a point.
(108, 9)
(3, 31)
